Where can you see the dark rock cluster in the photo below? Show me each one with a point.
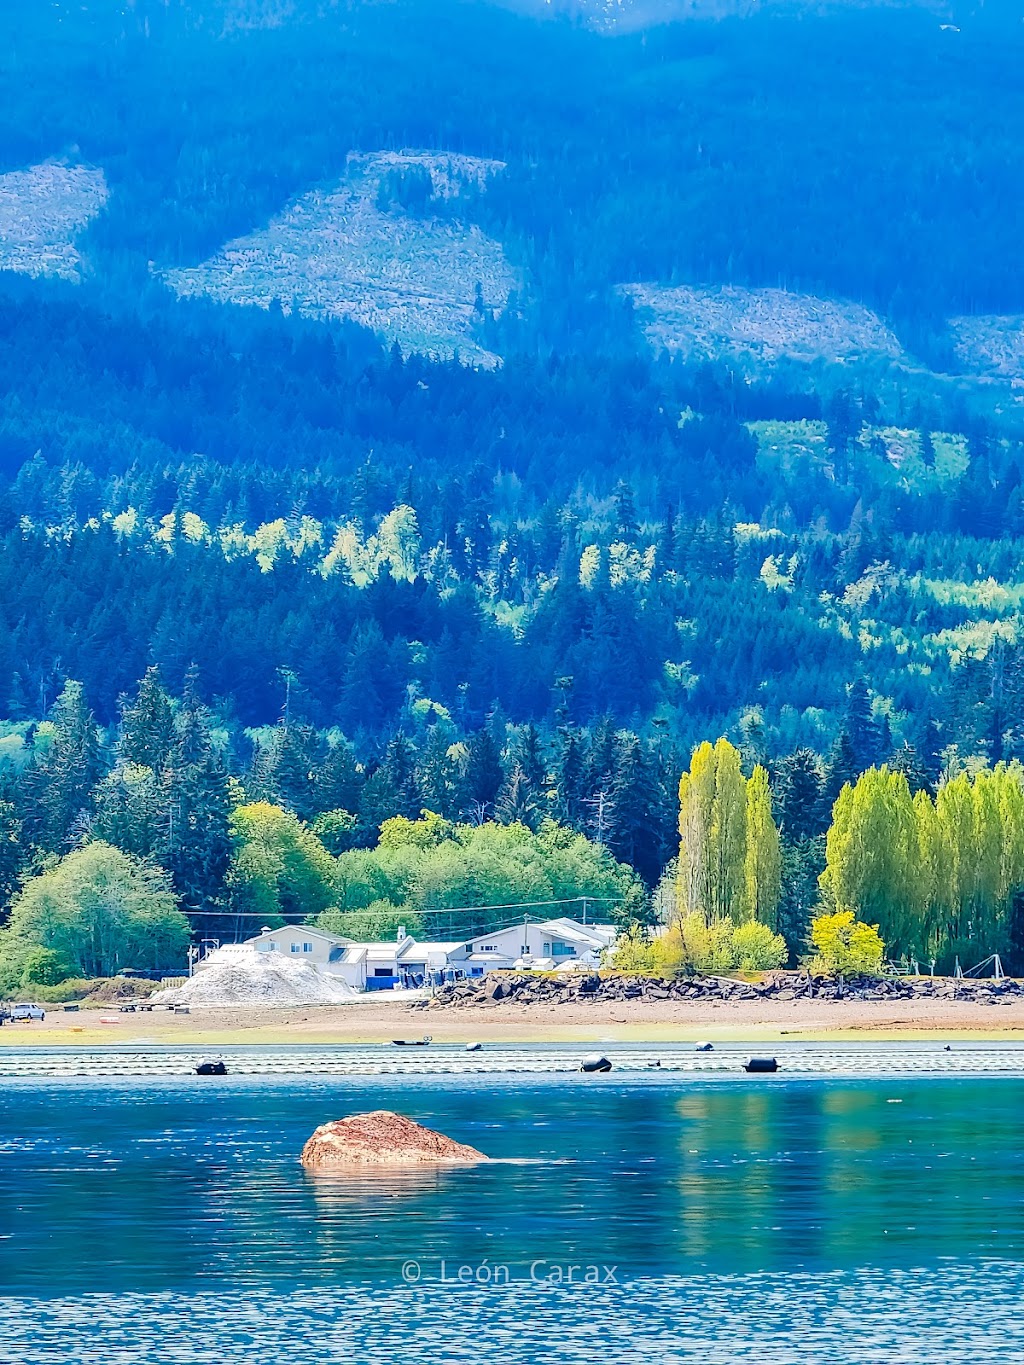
(537, 989)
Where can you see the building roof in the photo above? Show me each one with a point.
(589, 935)
(574, 931)
(306, 930)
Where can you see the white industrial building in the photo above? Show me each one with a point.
(406, 962)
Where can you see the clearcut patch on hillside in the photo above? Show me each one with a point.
(764, 325)
(43, 210)
(990, 345)
(623, 16)
(386, 248)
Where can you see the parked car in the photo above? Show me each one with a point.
(28, 1012)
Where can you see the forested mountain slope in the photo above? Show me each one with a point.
(738, 449)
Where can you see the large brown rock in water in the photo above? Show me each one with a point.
(382, 1138)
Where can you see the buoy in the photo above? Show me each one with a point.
(595, 1061)
(762, 1064)
(211, 1067)
(705, 1047)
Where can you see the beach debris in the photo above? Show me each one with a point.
(761, 1064)
(211, 1066)
(383, 1138)
(595, 1061)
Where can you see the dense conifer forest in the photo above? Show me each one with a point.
(253, 561)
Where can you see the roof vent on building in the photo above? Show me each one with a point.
(401, 933)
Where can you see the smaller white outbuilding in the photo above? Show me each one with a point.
(544, 945)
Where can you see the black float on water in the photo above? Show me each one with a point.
(705, 1047)
(211, 1067)
(762, 1064)
(595, 1061)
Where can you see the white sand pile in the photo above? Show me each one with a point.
(258, 980)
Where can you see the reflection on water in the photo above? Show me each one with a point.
(189, 1202)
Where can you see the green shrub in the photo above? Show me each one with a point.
(694, 945)
(757, 949)
(45, 967)
(846, 946)
(73, 988)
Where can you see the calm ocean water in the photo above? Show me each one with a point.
(649, 1218)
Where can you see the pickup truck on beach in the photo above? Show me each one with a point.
(27, 1011)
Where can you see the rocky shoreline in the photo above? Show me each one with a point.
(581, 988)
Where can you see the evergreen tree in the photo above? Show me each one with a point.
(517, 802)
(636, 834)
(62, 781)
(197, 843)
(859, 725)
(437, 772)
(12, 855)
(131, 810)
(799, 802)
(337, 778)
(802, 863)
(842, 768)
(484, 774)
(147, 725)
(295, 768)
(570, 780)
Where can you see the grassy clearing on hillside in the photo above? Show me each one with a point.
(42, 211)
(413, 278)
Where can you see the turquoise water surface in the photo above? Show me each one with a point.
(644, 1218)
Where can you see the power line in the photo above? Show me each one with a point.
(427, 910)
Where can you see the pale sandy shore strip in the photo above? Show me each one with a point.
(666, 1021)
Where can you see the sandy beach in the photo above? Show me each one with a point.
(379, 1020)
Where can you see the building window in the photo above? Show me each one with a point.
(295, 947)
(562, 950)
(307, 947)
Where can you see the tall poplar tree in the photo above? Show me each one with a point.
(871, 856)
(762, 869)
(713, 833)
